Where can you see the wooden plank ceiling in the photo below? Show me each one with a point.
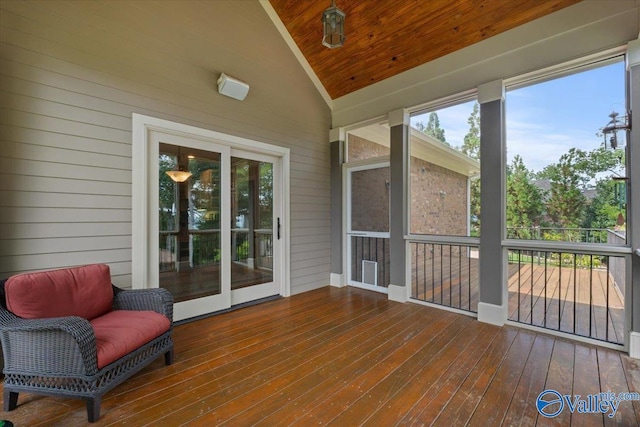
(384, 38)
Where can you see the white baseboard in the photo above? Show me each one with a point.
(336, 280)
(491, 313)
(634, 345)
(397, 293)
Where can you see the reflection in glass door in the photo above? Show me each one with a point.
(189, 210)
(252, 222)
(255, 227)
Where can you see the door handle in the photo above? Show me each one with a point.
(278, 230)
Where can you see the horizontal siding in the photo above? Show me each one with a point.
(72, 74)
(17, 230)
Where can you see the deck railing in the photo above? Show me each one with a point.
(584, 235)
(567, 291)
(201, 249)
(372, 250)
(445, 274)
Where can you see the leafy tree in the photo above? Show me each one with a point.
(433, 128)
(570, 176)
(471, 147)
(605, 207)
(566, 202)
(167, 193)
(471, 144)
(524, 200)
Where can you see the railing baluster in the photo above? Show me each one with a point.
(590, 295)
(531, 291)
(450, 275)
(469, 277)
(459, 276)
(560, 291)
(441, 272)
(544, 320)
(433, 273)
(416, 269)
(575, 282)
(519, 283)
(424, 267)
(606, 313)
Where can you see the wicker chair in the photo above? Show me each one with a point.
(58, 356)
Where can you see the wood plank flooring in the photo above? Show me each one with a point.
(350, 357)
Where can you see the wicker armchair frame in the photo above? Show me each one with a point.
(58, 356)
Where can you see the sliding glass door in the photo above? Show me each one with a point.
(254, 226)
(218, 226)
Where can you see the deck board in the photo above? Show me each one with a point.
(352, 357)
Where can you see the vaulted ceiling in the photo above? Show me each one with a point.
(385, 38)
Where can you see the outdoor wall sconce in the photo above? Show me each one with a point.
(333, 22)
(610, 131)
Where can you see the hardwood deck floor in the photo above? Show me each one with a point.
(348, 357)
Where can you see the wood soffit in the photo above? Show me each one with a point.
(384, 38)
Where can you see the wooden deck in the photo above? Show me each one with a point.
(348, 357)
(579, 301)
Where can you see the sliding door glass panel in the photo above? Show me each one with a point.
(251, 222)
(190, 223)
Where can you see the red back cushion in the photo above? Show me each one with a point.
(80, 291)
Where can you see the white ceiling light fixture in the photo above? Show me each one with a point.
(333, 23)
(232, 88)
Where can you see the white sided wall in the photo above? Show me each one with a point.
(71, 75)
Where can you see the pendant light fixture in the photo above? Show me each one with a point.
(179, 176)
(333, 22)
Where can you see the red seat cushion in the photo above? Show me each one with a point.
(121, 331)
(80, 291)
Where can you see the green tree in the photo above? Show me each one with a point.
(167, 193)
(605, 207)
(433, 128)
(471, 144)
(471, 147)
(570, 176)
(524, 200)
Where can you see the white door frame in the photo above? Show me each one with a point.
(263, 290)
(348, 168)
(147, 131)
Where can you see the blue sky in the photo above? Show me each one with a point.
(545, 119)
